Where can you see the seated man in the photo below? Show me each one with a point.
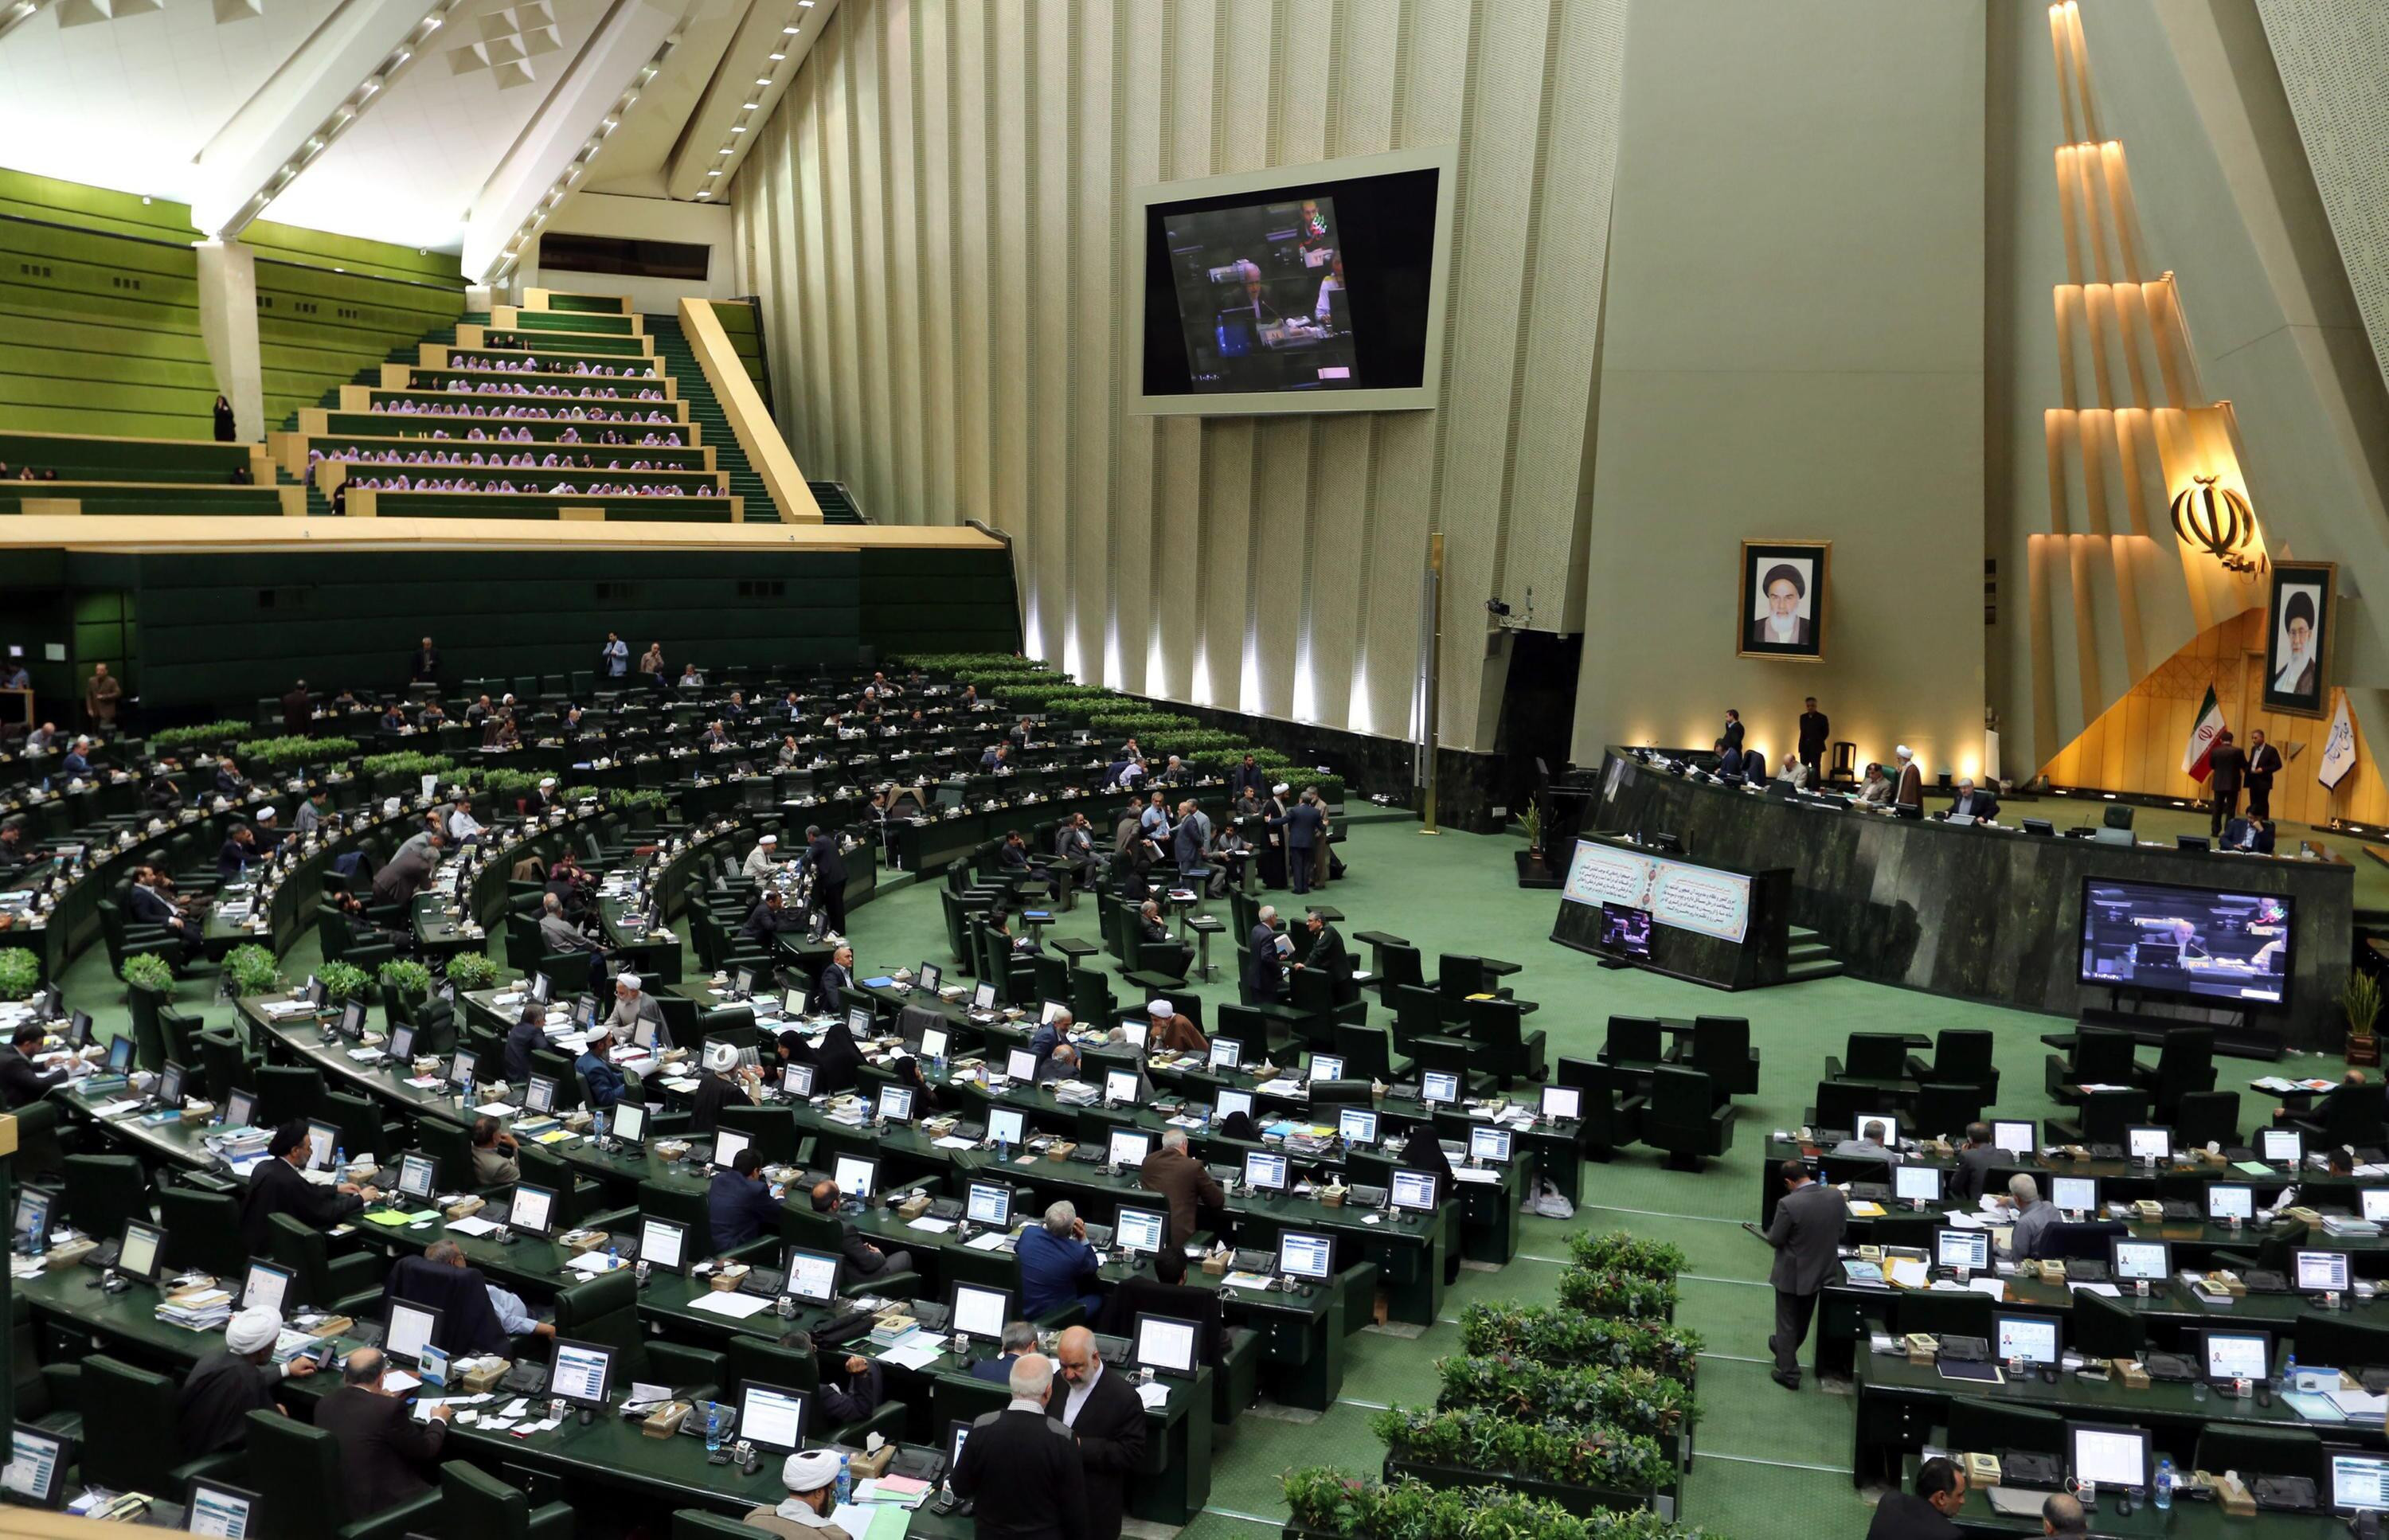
(1870, 1144)
(1019, 1339)
(23, 1083)
(1973, 804)
(277, 1187)
(495, 1155)
(770, 917)
(558, 933)
(739, 1205)
(862, 1258)
(525, 1038)
(1057, 1267)
(386, 1456)
(835, 1404)
(239, 850)
(1166, 1294)
(2031, 1216)
(810, 1477)
(606, 1086)
(212, 1409)
(476, 1314)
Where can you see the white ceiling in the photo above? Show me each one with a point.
(126, 94)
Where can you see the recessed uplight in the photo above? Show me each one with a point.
(716, 173)
(747, 106)
(340, 270)
(704, 193)
(765, 79)
(739, 128)
(777, 57)
(790, 31)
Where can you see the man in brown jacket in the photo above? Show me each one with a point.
(386, 1456)
(1179, 1177)
(101, 695)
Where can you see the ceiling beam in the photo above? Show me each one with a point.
(747, 86)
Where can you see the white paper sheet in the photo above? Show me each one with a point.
(735, 1305)
(912, 1356)
(934, 1227)
(472, 1223)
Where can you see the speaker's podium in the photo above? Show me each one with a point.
(1727, 926)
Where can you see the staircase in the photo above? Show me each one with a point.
(1807, 957)
(837, 506)
(672, 351)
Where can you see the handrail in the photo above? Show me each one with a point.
(743, 408)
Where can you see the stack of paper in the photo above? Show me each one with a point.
(200, 1310)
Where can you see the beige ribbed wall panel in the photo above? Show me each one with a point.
(933, 220)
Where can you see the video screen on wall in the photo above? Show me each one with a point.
(1315, 288)
(2190, 941)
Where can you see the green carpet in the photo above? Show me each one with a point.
(1770, 1461)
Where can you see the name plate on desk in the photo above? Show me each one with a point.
(1676, 893)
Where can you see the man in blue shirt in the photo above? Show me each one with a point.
(78, 759)
(1057, 1263)
(740, 1204)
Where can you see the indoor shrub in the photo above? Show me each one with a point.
(1556, 1336)
(150, 972)
(274, 755)
(1604, 1292)
(20, 974)
(411, 979)
(408, 762)
(343, 981)
(1332, 1503)
(1592, 1454)
(1618, 1251)
(1634, 1399)
(175, 739)
(472, 971)
(253, 969)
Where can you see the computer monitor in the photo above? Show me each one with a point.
(629, 1122)
(856, 1177)
(542, 987)
(1226, 1104)
(1020, 1064)
(409, 1331)
(1165, 1344)
(1128, 1147)
(1883, 1126)
(1007, 1124)
(31, 1225)
(1265, 1170)
(1305, 1255)
(773, 1416)
(218, 1509)
(1120, 1085)
(978, 1312)
(2114, 1457)
(1144, 1230)
(460, 1066)
(1439, 1085)
(2074, 1194)
(1227, 1053)
(138, 1254)
(1047, 1010)
(2148, 1142)
(930, 976)
(120, 1054)
(169, 1085)
(1413, 1190)
(2028, 1339)
(1953, 1247)
(2132, 1261)
(1356, 1126)
(418, 1175)
(728, 1145)
(933, 1042)
(988, 1204)
(402, 1041)
(2280, 1146)
(533, 1209)
(2239, 1355)
(2318, 1271)
(582, 1373)
(1563, 1103)
(240, 1109)
(896, 1103)
(1916, 1184)
(663, 1245)
(78, 1025)
(1489, 1144)
(1326, 1066)
(353, 1019)
(792, 1003)
(957, 1434)
(37, 1471)
(858, 1023)
(2013, 1135)
(539, 1094)
(2230, 1200)
(798, 1080)
(1137, 1031)
(742, 982)
(2376, 1203)
(268, 1284)
(324, 1139)
(2359, 1484)
(983, 995)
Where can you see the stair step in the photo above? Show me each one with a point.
(1801, 973)
(1810, 951)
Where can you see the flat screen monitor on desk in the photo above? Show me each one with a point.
(1226, 1104)
(267, 1285)
(137, 1253)
(990, 1204)
(1226, 1052)
(2134, 1261)
(2074, 1194)
(2149, 1143)
(2280, 1146)
(978, 1312)
(856, 1177)
(2376, 1205)
(582, 1373)
(1007, 1124)
(1142, 1231)
(1165, 1345)
(1356, 1126)
(1264, 1172)
(629, 1122)
(1491, 1145)
(2319, 1272)
(2013, 1135)
(1953, 1247)
(218, 1509)
(1913, 1183)
(1128, 1147)
(728, 1145)
(1326, 1066)
(1120, 1086)
(2239, 1355)
(1563, 1103)
(2025, 1339)
(1413, 1191)
(2359, 1484)
(37, 1471)
(2230, 1200)
(896, 1103)
(1304, 1255)
(2115, 1459)
(663, 1245)
(418, 1175)
(531, 1209)
(773, 1416)
(410, 1331)
(1440, 1086)
(1020, 1064)
(812, 1276)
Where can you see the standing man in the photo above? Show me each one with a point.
(1107, 1419)
(829, 878)
(2264, 763)
(1814, 729)
(1183, 1181)
(1807, 1236)
(297, 708)
(1908, 798)
(1327, 952)
(1264, 979)
(1306, 828)
(1021, 1468)
(101, 695)
(423, 667)
(2226, 765)
(1732, 737)
(617, 653)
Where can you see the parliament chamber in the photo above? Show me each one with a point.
(1059, 770)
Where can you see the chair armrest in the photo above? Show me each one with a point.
(354, 1272)
(686, 1368)
(223, 1466)
(887, 1420)
(413, 1516)
(552, 1522)
(64, 1384)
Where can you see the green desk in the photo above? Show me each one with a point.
(168, 1141)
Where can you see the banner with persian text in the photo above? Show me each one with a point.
(1676, 893)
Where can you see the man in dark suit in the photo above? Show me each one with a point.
(862, 1258)
(1940, 1491)
(1103, 1411)
(1732, 737)
(1167, 1293)
(1182, 1178)
(1815, 727)
(212, 1410)
(1247, 781)
(2227, 767)
(386, 1456)
(238, 853)
(1262, 975)
(829, 878)
(836, 978)
(1971, 1177)
(770, 917)
(2264, 763)
(144, 905)
(424, 666)
(22, 1084)
(1305, 827)
(1807, 1231)
(277, 1187)
(1019, 1340)
(1020, 1469)
(739, 1205)
(297, 708)
(1970, 803)
(1326, 953)
(407, 871)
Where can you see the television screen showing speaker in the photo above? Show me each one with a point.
(1625, 930)
(2197, 942)
(1304, 289)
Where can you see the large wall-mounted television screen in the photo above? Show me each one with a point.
(2199, 942)
(1309, 288)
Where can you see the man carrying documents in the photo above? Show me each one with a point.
(1807, 1236)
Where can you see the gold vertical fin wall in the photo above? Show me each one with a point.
(933, 220)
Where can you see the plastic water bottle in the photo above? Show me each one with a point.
(713, 1428)
(2289, 1372)
(2163, 1494)
(1003, 1152)
(613, 1256)
(339, 1160)
(845, 1481)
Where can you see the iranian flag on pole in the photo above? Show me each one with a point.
(2197, 753)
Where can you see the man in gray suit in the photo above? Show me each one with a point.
(557, 934)
(1807, 1236)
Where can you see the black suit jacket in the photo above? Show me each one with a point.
(212, 1410)
(386, 1456)
(21, 1082)
(1328, 955)
(1262, 971)
(148, 906)
(2264, 763)
(829, 864)
(275, 1187)
(1021, 1471)
(1110, 1431)
(1732, 735)
(1905, 1516)
(1815, 727)
(1981, 804)
(423, 665)
(2229, 765)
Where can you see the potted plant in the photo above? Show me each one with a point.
(2361, 1000)
(253, 970)
(20, 974)
(343, 981)
(1534, 869)
(471, 971)
(149, 972)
